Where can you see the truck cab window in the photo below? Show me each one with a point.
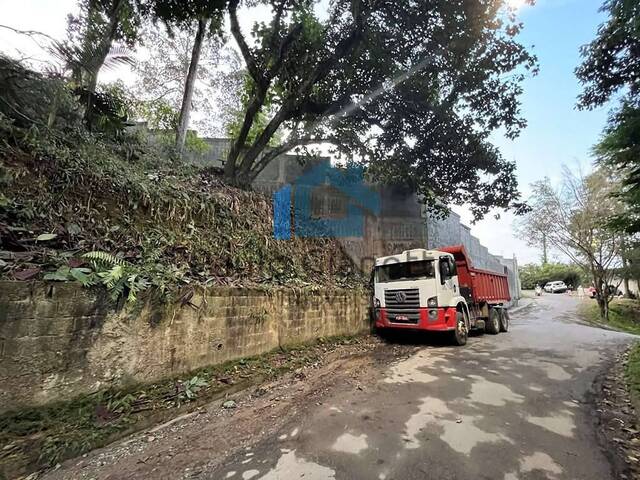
(405, 271)
(446, 269)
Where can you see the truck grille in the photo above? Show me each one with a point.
(403, 305)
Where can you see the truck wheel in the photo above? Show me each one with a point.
(504, 320)
(493, 323)
(461, 333)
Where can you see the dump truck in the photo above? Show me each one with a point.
(439, 290)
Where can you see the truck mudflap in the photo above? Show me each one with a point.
(439, 319)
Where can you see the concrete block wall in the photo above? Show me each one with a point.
(58, 340)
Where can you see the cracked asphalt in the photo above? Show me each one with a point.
(511, 406)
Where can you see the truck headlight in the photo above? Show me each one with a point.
(376, 303)
(432, 302)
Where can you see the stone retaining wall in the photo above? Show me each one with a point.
(58, 340)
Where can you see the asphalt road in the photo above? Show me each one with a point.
(511, 406)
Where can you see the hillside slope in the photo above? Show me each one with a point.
(171, 224)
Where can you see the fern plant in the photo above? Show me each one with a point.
(118, 276)
(83, 275)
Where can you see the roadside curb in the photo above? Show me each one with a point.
(524, 303)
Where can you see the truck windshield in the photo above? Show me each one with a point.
(405, 271)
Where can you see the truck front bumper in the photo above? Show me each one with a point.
(433, 319)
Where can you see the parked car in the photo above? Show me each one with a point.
(610, 289)
(555, 287)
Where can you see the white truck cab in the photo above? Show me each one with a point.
(418, 289)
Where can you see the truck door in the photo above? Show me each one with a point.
(448, 281)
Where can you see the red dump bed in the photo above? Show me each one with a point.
(486, 286)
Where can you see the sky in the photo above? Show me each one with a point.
(557, 133)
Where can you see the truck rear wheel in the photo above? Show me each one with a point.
(504, 320)
(461, 333)
(493, 323)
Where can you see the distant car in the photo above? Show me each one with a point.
(555, 287)
(607, 290)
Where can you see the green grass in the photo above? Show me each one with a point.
(632, 373)
(624, 315)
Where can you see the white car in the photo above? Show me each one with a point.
(555, 287)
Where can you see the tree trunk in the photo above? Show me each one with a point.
(604, 309)
(239, 144)
(625, 268)
(625, 284)
(99, 55)
(189, 87)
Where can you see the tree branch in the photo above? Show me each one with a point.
(252, 65)
(269, 156)
(322, 69)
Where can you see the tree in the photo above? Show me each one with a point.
(574, 220)
(619, 149)
(612, 61)
(612, 65)
(91, 38)
(410, 89)
(207, 16)
(161, 77)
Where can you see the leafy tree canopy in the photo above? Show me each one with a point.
(619, 148)
(612, 65)
(612, 60)
(182, 14)
(411, 89)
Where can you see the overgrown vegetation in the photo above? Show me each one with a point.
(624, 315)
(43, 436)
(67, 191)
(632, 373)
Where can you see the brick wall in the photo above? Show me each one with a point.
(59, 340)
